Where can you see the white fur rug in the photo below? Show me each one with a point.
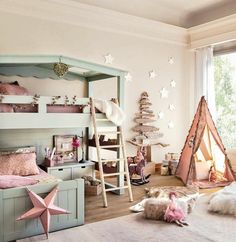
(203, 227)
(224, 201)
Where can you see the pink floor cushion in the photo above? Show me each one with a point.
(10, 181)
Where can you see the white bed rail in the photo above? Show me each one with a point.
(42, 119)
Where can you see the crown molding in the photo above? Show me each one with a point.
(214, 32)
(75, 13)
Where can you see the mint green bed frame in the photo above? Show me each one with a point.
(15, 201)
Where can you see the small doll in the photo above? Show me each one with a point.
(212, 174)
(174, 213)
(76, 142)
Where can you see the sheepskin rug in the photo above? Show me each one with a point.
(224, 201)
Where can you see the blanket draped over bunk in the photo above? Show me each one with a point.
(112, 111)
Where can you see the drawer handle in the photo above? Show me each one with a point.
(61, 169)
(83, 166)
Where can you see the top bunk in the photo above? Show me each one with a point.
(27, 111)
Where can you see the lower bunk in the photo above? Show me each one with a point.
(15, 201)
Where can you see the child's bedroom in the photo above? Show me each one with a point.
(117, 120)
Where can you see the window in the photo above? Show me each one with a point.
(225, 97)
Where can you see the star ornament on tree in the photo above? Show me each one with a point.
(43, 209)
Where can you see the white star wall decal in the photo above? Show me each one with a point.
(171, 60)
(171, 107)
(164, 93)
(128, 77)
(173, 83)
(109, 58)
(152, 74)
(171, 125)
(160, 115)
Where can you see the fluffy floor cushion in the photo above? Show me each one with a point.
(224, 201)
(155, 208)
(185, 194)
(181, 191)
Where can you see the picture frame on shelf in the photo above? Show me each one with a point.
(64, 147)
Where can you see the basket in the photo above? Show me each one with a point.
(93, 190)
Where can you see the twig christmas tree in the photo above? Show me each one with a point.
(147, 134)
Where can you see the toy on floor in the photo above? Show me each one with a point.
(136, 167)
(166, 208)
(174, 213)
(212, 174)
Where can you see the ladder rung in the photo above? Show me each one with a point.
(112, 160)
(115, 188)
(110, 146)
(115, 174)
(102, 119)
(109, 132)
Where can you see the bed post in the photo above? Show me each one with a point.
(121, 97)
(80, 201)
(1, 217)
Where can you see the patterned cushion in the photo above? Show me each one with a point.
(18, 164)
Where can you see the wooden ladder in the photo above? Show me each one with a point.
(121, 145)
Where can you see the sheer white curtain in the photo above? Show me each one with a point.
(204, 80)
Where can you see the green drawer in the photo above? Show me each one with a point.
(78, 172)
(62, 173)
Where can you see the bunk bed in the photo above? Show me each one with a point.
(15, 201)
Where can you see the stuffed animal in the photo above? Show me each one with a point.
(136, 166)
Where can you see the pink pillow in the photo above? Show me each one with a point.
(9, 181)
(64, 109)
(9, 89)
(19, 164)
(6, 108)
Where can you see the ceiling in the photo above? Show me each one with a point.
(183, 13)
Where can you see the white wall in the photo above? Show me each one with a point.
(28, 35)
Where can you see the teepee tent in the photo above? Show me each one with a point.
(203, 148)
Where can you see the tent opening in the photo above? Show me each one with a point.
(209, 154)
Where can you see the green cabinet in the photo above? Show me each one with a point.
(71, 171)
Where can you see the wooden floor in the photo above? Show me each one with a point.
(119, 205)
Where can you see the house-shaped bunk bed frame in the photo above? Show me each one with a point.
(15, 201)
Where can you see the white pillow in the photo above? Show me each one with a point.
(202, 170)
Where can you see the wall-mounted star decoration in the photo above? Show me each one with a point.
(164, 93)
(109, 59)
(160, 115)
(173, 83)
(128, 77)
(171, 125)
(171, 107)
(43, 208)
(171, 60)
(152, 74)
